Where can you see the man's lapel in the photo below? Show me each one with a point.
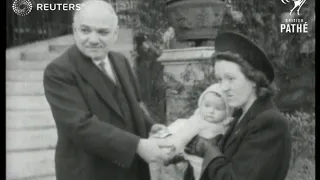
(91, 73)
(121, 72)
(123, 75)
(256, 108)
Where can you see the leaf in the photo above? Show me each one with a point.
(258, 18)
(308, 46)
(236, 15)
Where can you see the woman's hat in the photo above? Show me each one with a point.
(248, 50)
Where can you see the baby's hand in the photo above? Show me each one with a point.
(198, 122)
(203, 124)
(227, 121)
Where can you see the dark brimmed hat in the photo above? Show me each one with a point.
(248, 50)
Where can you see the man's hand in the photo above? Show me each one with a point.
(156, 128)
(154, 150)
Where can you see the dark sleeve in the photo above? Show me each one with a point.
(74, 119)
(259, 155)
(147, 114)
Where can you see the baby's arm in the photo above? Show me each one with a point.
(180, 139)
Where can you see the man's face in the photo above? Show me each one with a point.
(95, 32)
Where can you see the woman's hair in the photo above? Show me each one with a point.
(263, 86)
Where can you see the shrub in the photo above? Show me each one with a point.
(302, 126)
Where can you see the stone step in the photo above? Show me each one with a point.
(26, 65)
(27, 140)
(30, 165)
(39, 55)
(14, 53)
(26, 103)
(24, 120)
(41, 63)
(46, 177)
(56, 50)
(24, 88)
(24, 75)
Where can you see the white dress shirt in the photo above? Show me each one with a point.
(107, 68)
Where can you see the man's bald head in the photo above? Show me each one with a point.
(95, 28)
(96, 9)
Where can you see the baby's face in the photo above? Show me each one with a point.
(212, 108)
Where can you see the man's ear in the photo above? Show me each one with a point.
(74, 27)
(115, 34)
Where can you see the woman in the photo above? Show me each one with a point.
(258, 146)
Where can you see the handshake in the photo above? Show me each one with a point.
(161, 148)
(158, 149)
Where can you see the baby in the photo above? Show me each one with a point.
(213, 113)
(209, 120)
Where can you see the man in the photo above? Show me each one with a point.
(102, 131)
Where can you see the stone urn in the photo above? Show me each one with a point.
(195, 19)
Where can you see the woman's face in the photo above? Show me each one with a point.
(237, 87)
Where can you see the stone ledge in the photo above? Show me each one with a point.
(186, 54)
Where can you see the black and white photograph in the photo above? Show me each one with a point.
(160, 90)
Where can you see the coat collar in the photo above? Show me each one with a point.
(256, 108)
(90, 72)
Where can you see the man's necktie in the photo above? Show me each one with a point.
(106, 69)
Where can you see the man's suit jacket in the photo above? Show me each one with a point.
(93, 142)
(257, 148)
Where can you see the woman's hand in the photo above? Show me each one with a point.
(199, 146)
(174, 152)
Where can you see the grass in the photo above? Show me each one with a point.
(303, 170)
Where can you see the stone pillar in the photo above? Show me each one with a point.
(196, 24)
(175, 62)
